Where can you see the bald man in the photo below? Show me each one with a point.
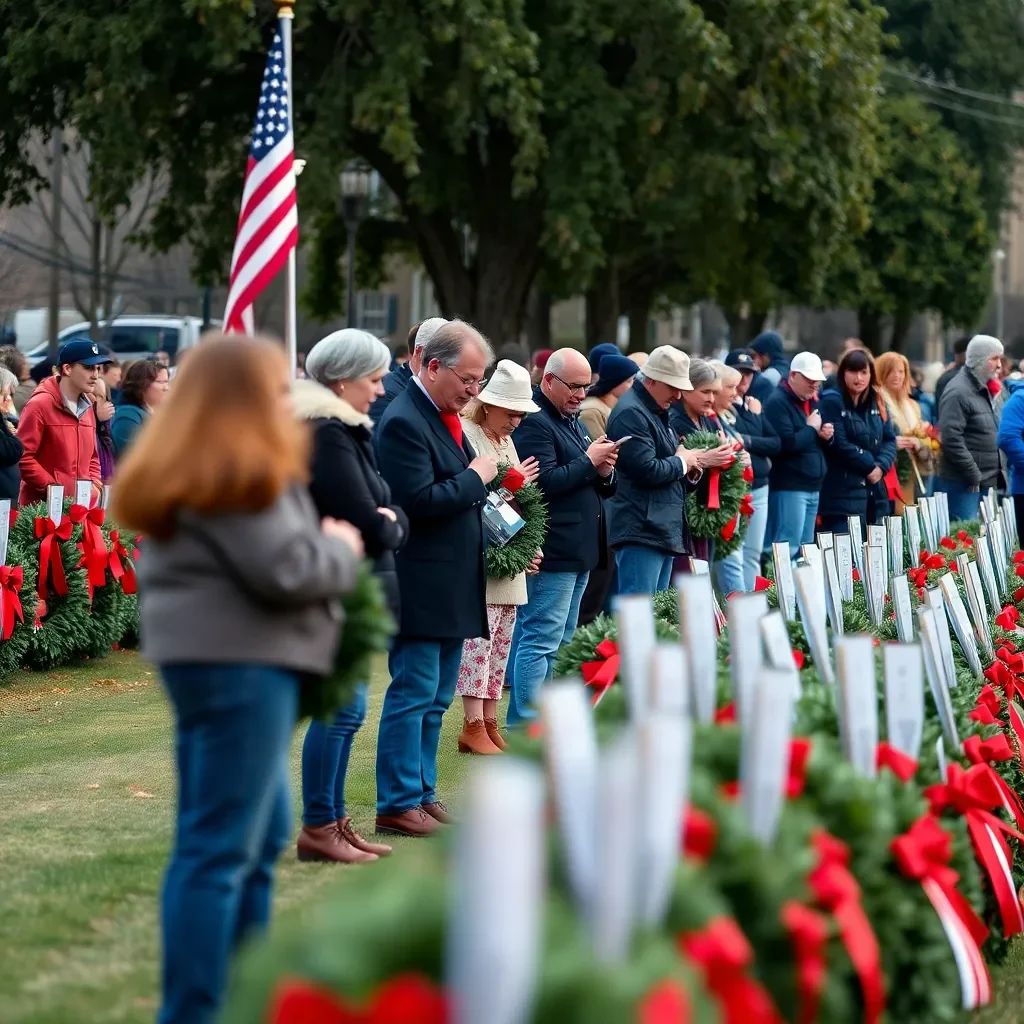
(577, 474)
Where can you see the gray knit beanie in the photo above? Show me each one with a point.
(980, 349)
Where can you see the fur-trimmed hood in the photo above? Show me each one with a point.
(315, 402)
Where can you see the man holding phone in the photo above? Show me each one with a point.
(647, 516)
(577, 474)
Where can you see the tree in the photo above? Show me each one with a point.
(929, 244)
(511, 135)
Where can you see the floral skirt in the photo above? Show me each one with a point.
(482, 672)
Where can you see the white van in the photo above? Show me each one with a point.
(135, 336)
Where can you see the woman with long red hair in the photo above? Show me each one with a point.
(238, 588)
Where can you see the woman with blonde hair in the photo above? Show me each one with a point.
(489, 423)
(894, 383)
(239, 583)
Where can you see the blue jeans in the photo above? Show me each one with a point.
(643, 570)
(753, 542)
(423, 678)
(791, 516)
(233, 725)
(325, 754)
(543, 624)
(728, 573)
(963, 504)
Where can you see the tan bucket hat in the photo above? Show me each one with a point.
(670, 366)
(510, 388)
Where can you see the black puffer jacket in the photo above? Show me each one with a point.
(345, 483)
(760, 439)
(800, 465)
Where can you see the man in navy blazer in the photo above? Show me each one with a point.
(441, 485)
(576, 474)
(399, 378)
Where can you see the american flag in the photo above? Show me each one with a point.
(268, 225)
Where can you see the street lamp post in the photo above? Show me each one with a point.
(1000, 258)
(356, 181)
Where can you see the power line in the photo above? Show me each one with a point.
(971, 112)
(934, 83)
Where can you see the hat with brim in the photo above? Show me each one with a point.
(669, 366)
(809, 365)
(510, 388)
(614, 371)
(85, 352)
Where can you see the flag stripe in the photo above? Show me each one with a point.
(242, 291)
(280, 197)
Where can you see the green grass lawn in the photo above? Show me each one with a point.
(86, 806)
(86, 815)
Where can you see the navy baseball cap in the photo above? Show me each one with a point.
(741, 359)
(81, 351)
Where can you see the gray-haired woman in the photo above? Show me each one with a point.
(344, 373)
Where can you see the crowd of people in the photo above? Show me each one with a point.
(258, 494)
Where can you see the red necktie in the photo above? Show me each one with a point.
(453, 421)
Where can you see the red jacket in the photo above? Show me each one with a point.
(59, 447)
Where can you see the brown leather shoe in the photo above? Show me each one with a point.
(491, 725)
(413, 822)
(474, 739)
(439, 812)
(325, 842)
(355, 839)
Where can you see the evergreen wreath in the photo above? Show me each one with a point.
(727, 524)
(508, 561)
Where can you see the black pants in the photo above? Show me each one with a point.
(601, 584)
(1018, 508)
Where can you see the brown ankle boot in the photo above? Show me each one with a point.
(355, 839)
(491, 724)
(474, 739)
(326, 843)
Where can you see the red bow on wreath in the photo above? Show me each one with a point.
(93, 547)
(728, 531)
(513, 480)
(1007, 618)
(997, 748)
(808, 932)
(948, 543)
(125, 573)
(965, 538)
(903, 766)
(11, 579)
(1018, 557)
(601, 674)
(666, 1003)
(407, 999)
(987, 707)
(51, 566)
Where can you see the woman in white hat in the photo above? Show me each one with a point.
(490, 420)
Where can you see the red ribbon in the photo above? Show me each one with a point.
(1018, 557)
(798, 658)
(935, 562)
(903, 766)
(125, 573)
(1018, 594)
(923, 853)
(51, 566)
(407, 998)
(714, 501)
(722, 953)
(729, 530)
(1000, 676)
(748, 474)
(836, 890)
(601, 674)
(1007, 619)
(948, 543)
(987, 708)
(666, 1003)
(1019, 571)
(11, 579)
(997, 748)
(799, 755)
(1013, 660)
(700, 834)
(746, 505)
(762, 583)
(513, 480)
(808, 932)
(974, 793)
(94, 548)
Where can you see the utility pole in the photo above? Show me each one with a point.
(56, 198)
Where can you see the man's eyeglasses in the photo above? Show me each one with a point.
(571, 387)
(470, 382)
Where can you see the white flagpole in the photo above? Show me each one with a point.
(285, 11)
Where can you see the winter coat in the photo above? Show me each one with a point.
(59, 447)
(862, 441)
(800, 464)
(760, 439)
(395, 383)
(11, 451)
(770, 344)
(22, 393)
(246, 587)
(441, 569)
(683, 426)
(969, 424)
(594, 416)
(572, 486)
(506, 591)
(649, 507)
(124, 426)
(344, 481)
(943, 382)
(1011, 435)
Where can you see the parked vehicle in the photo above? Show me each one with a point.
(135, 336)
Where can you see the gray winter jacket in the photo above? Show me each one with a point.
(247, 588)
(969, 424)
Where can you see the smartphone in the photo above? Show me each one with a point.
(622, 440)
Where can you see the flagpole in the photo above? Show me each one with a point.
(286, 12)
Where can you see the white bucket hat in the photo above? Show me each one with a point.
(510, 388)
(670, 366)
